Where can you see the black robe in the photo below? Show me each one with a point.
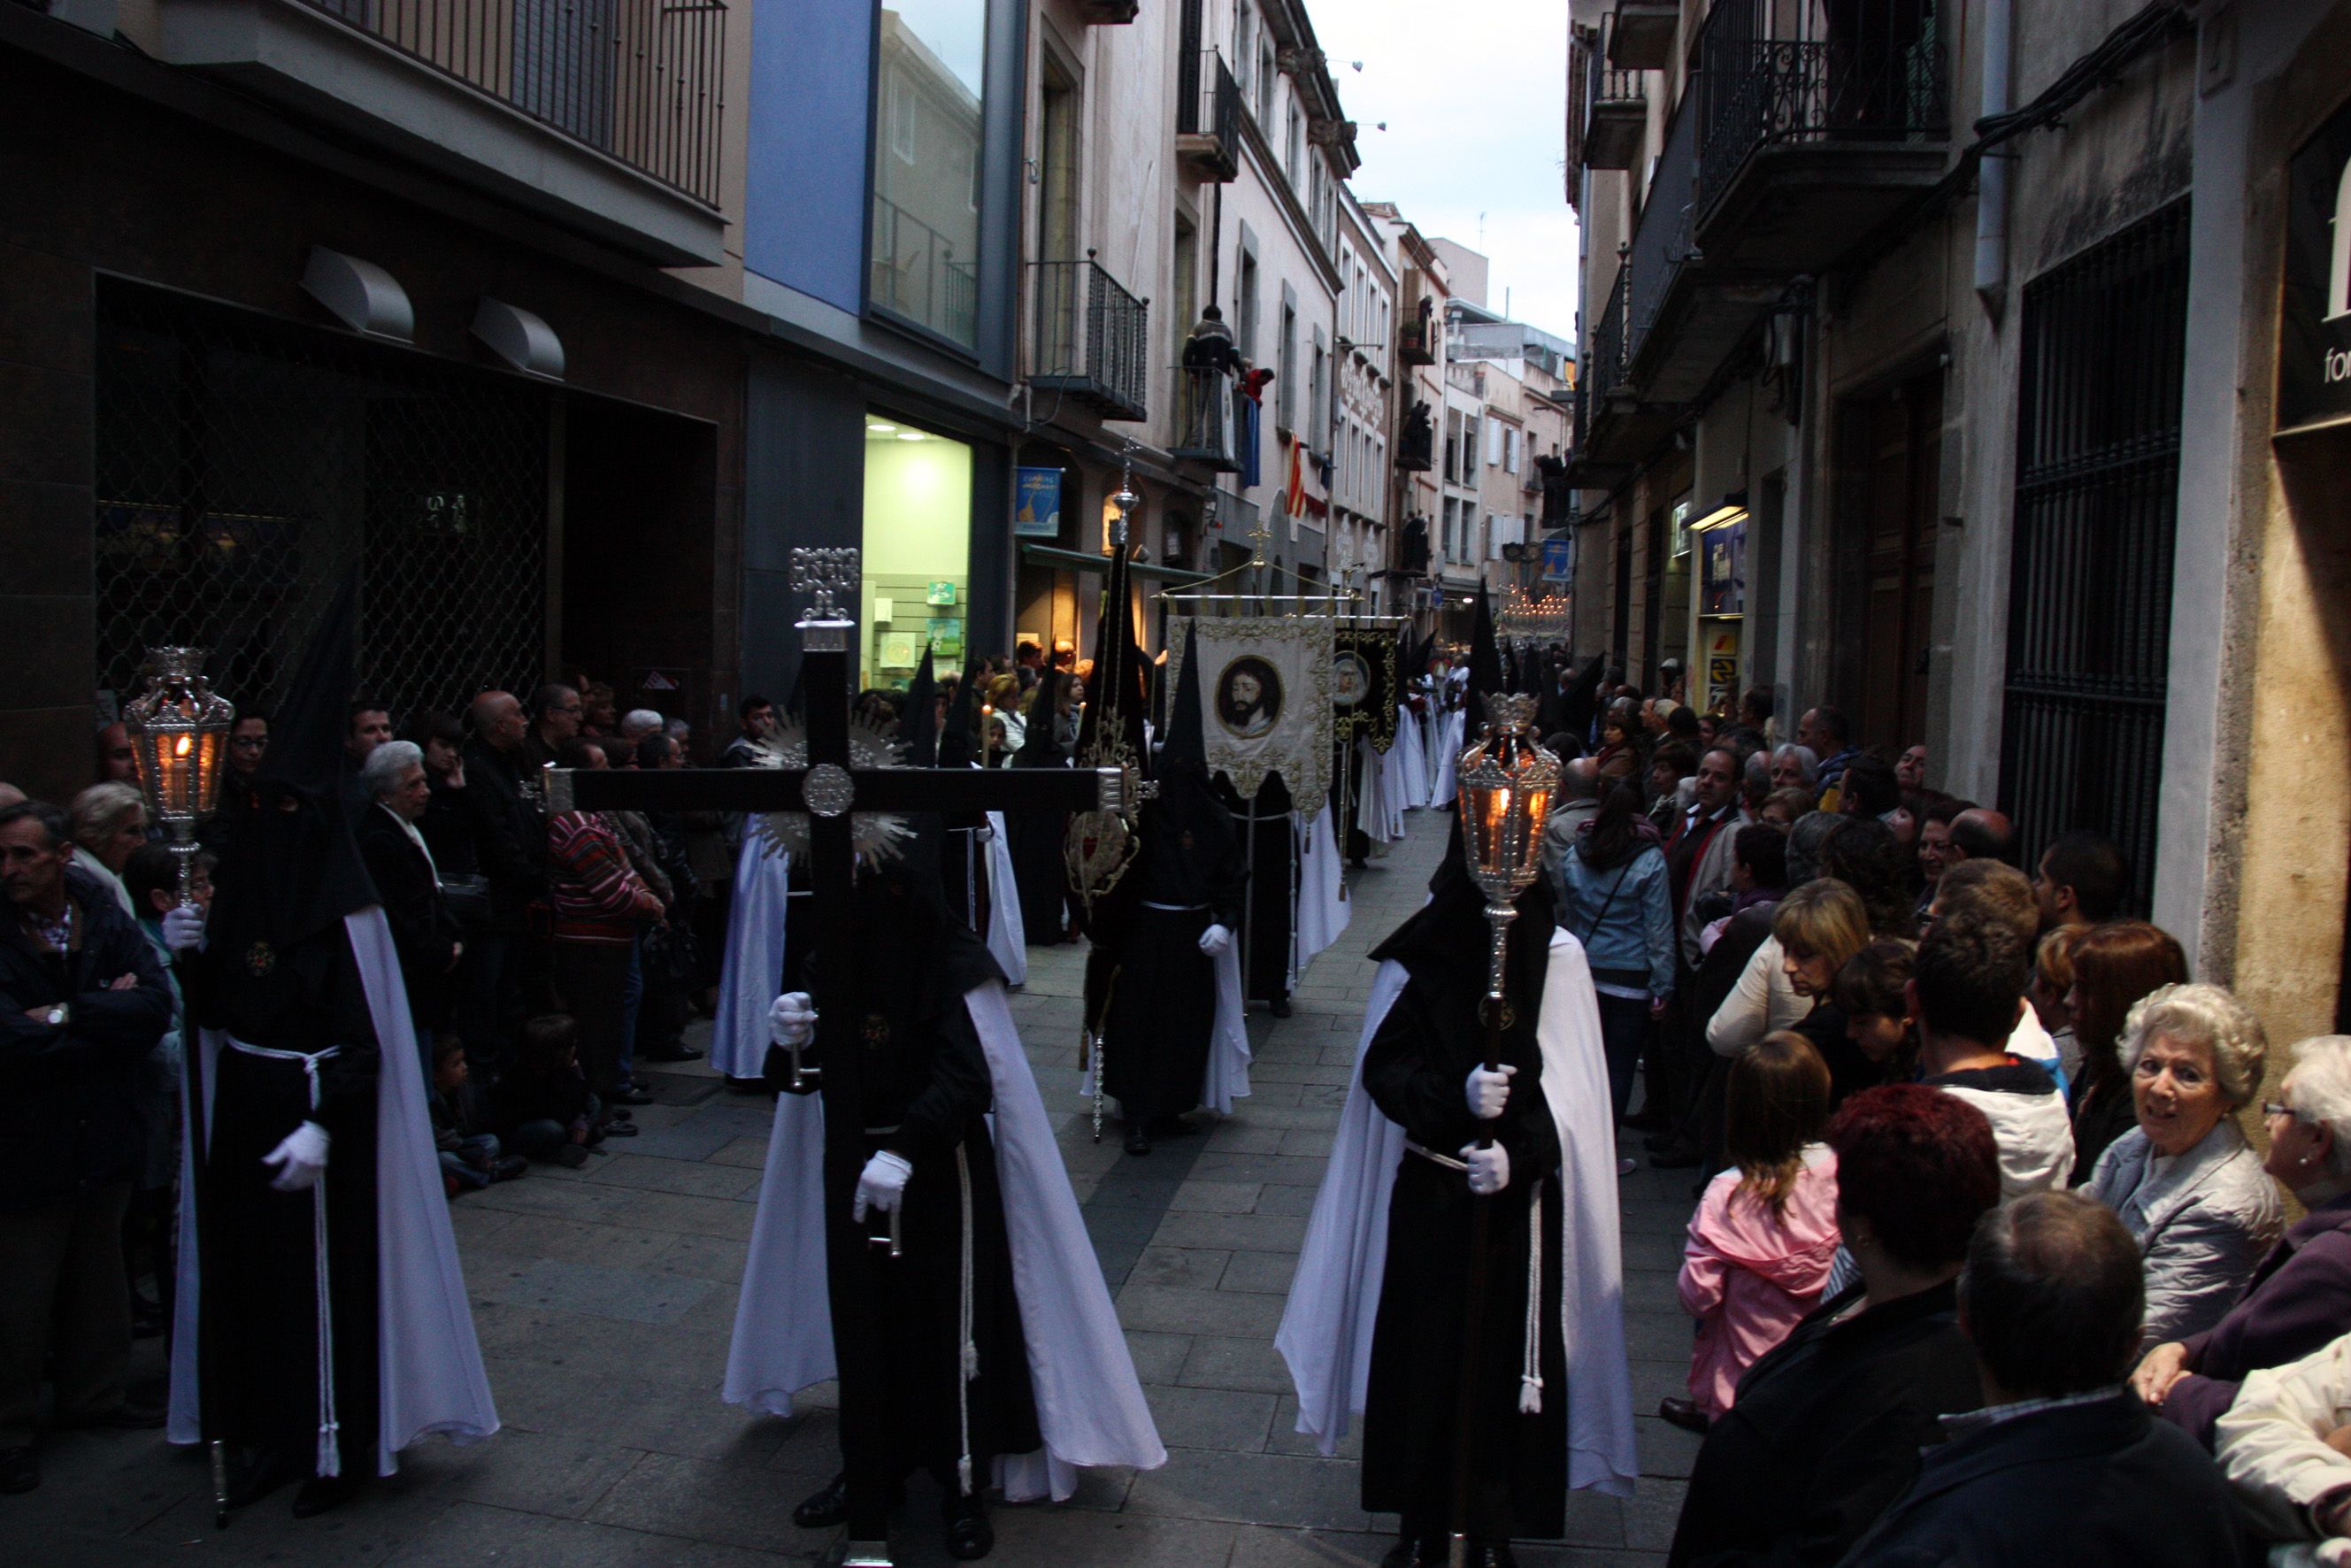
(1037, 836)
(1414, 1070)
(258, 1246)
(1163, 989)
(926, 1094)
(1270, 854)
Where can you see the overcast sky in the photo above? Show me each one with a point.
(1474, 93)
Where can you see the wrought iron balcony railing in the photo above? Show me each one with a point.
(1880, 81)
(1093, 339)
(639, 80)
(1208, 114)
(1204, 418)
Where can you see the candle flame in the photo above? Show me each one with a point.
(182, 749)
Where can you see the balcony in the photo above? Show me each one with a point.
(1204, 418)
(1417, 339)
(1109, 13)
(1093, 339)
(1208, 117)
(1809, 145)
(1643, 38)
(603, 116)
(1617, 109)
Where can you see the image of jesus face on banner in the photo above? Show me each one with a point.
(1351, 681)
(1249, 697)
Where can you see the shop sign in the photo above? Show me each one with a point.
(2314, 329)
(1036, 504)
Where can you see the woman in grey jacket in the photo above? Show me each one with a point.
(1611, 892)
(2185, 1183)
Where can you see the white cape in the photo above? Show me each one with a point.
(752, 970)
(1408, 759)
(1322, 907)
(1381, 815)
(1007, 939)
(429, 1364)
(1445, 748)
(1089, 1404)
(1326, 1329)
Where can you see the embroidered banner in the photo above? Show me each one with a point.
(1364, 686)
(1265, 694)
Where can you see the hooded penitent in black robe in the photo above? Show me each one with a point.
(1271, 865)
(1415, 1069)
(1037, 836)
(926, 1096)
(1162, 987)
(277, 972)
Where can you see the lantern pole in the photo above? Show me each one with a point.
(1506, 785)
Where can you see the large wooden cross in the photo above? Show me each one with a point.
(827, 790)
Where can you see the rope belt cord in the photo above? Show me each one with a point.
(969, 1353)
(1433, 1157)
(330, 1456)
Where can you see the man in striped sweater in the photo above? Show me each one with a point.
(599, 906)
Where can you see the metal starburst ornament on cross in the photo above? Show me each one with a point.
(876, 836)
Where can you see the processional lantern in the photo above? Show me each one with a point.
(1506, 784)
(179, 729)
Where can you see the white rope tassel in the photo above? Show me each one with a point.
(1531, 1383)
(970, 1350)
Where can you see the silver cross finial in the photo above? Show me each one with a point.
(821, 574)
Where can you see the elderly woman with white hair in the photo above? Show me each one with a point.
(2184, 1182)
(1796, 766)
(2300, 1297)
(110, 821)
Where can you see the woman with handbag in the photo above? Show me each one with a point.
(1612, 894)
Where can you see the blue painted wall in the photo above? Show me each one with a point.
(804, 211)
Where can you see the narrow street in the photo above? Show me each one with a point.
(604, 1299)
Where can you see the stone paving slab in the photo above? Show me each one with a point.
(604, 1299)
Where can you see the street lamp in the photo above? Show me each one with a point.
(179, 727)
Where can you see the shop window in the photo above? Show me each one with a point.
(917, 545)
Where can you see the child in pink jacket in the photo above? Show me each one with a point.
(1765, 1233)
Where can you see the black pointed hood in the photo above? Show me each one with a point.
(959, 741)
(289, 866)
(1187, 742)
(1485, 664)
(918, 730)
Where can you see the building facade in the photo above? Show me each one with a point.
(1909, 312)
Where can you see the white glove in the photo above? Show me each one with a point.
(791, 1021)
(1490, 1169)
(184, 928)
(1216, 939)
(300, 1160)
(883, 1183)
(1488, 1093)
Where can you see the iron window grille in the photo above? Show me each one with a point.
(2097, 496)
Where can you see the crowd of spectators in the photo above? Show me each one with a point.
(1984, 1265)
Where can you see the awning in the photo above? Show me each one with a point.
(1078, 560)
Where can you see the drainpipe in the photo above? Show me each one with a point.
(1993, 170)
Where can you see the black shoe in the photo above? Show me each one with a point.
(619, 1115)
(829, 1504)
(620, 1129)
(1410, 1553)
(747, 1086)
(1136, 1142)
(1169, 1127)
(1676, 1411)
(571, 1156)
(1677, 1157)
(269, 1470)
(632, 1095)
(513, 1165)
(1279, 1006)
(20, 1469)
(969, 1535)
(1647, 1120)
(324, 1494)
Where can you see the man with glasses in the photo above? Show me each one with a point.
(556, 713)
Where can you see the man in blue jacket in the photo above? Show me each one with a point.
(83, 999)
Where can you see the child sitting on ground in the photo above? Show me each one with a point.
(1764, 1235)
(469, 1160)
(549, 1113)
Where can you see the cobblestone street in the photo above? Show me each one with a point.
(604, 1300)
